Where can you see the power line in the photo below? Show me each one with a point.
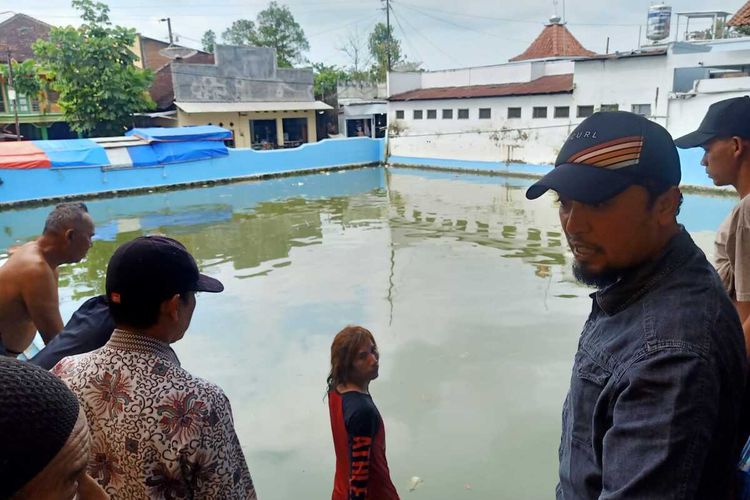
(431, 43)
(341, 26)
(464, 14)
(408, 40)
(464, 27)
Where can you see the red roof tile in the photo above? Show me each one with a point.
(554, 41)
(742, 17)
(555, 84)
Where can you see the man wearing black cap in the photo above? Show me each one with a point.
(724, 135)
(654, 399)
(157, 431)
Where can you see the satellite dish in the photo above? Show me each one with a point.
(176, 52)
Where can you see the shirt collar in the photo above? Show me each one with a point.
(639, 281)
(136, 342)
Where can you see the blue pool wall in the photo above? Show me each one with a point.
(693, 174)
(35, 184)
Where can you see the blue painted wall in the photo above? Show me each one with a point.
(36, 184)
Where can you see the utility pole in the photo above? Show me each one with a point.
(12, 95)
(169, 27)
(388, 32)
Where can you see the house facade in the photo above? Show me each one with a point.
(264, 106)
(153, 54)
(39, 116)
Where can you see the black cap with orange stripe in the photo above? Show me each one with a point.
(607, 153)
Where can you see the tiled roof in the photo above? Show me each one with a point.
(555, 84)
(742, 17)
(554, 41)
(18, 33)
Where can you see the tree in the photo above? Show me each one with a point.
(355, 47)
(380, 47)
(208, 41)
(92, 69)
(278, 29)
(242, 32)
(27, 81)
(326, 80)
(274, 27)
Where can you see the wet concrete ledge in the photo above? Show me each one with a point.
(117, 193)
(695, 182)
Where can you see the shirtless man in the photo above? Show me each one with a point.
(28, 280)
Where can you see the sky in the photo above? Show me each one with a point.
(440, 34)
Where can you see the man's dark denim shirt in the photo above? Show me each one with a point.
(657, 385)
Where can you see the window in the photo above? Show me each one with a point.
(417, 114)
(431, 114)
(585, 111)
(463, 114)
(641, 109)
(485, 113)
(562, 112)
(447, 114)
(540, 112)
(23, 103)
(514, 112)
(399, 114)
(609, 107)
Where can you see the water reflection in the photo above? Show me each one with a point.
(464, 282)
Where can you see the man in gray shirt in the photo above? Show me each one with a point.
(724, 135)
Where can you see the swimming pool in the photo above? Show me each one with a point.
(465, 284)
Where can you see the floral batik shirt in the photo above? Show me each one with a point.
(157, 431)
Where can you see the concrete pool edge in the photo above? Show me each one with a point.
(116, 193)
(723, 192)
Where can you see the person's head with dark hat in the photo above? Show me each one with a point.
(151, 284)
(44, 438)
(724, 135)
(616, 178)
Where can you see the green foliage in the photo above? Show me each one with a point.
(327, 79)
(208, 41)
(274, 27)
(92, 69)
(26, 80)
(742, 30)
(242, 32)
(278, 29)
(379, 48)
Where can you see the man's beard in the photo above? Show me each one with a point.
(600, 279)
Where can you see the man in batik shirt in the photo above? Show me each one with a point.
(157, 431)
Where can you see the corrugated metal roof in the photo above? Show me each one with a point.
(554, 41)
(742, 17)
(248, 107)
(555, 84)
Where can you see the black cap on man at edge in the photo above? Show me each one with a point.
(157, 267)
(727, 118)
(607, 153)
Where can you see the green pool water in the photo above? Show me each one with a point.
(465, 284)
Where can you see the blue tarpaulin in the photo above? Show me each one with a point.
(142, 156)
(73, 153)
(181, 134)
(160, 153)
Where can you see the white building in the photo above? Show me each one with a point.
(523, 110)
